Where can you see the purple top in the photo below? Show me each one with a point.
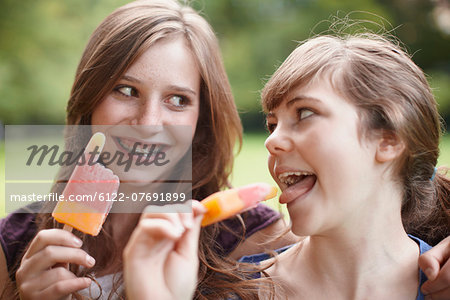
(16, 232)
(19, 228)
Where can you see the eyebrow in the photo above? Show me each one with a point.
(182, 89)
(293, 101)
(172, 87)
(130, 78)
(301, 98)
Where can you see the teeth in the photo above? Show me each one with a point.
(128, 145)
(289, 178)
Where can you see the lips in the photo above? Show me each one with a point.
(299, 189)
(140, 147)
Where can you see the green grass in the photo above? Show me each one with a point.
(444, 157)
(250, 165)
(2, 179)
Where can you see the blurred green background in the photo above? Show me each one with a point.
(41, 43)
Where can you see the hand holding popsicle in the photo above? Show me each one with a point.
(161, 245)
(166, 243)
(89, 181)
(41, 274)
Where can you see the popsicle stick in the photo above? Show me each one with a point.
(67, 228)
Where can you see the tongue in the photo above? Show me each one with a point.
(298, 189)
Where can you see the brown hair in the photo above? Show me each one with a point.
(392, 94)
(113, 47)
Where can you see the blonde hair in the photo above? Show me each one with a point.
(392, 94)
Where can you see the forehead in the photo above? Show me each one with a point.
(319, 93)
(169, 57)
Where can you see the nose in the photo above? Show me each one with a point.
(149, 113)
(279, 141)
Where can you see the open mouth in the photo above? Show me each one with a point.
(139, 147)
(297, 184)
(292, 178)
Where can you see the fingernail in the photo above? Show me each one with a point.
(77, 242)
(90, 260)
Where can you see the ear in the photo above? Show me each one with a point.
(389, 147)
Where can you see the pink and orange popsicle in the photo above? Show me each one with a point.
(225, 204)
(93, 185)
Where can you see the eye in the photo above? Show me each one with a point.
(271, 127)
(178, 101)
(126, 90)
(304, 113)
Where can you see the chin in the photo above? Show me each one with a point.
(303, 225)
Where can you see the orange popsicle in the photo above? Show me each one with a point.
(225, 204)
(85, 205)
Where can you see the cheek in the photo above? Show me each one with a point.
(104, 113)
(184, 128)
(112, 112)
(271, 165)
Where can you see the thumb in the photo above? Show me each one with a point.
(430, 262)
(188, 245)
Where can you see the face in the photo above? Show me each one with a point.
(153, 108)
(323, 167)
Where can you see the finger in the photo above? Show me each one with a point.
(198, 208)
(431, 261)
(47, 278)
(64, 288)
(53, 255)
(158, 212)
(441, 281)
(440, 295)
(157, 229)
(52, 237)
(152, 239)
(188, 244)
(186, 214)
(195, 208)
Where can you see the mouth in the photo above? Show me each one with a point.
(139, 147)
(292, 178)
(296, 184)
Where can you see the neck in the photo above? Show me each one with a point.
(368, 253)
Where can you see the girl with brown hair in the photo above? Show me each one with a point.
(361, 99)
(148, 63)
(353, 145)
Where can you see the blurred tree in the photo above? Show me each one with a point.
(257, 35)
(42, 41)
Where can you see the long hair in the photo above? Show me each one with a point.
(116, 43)
(391, 93)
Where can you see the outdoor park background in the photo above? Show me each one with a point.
(41, 43)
